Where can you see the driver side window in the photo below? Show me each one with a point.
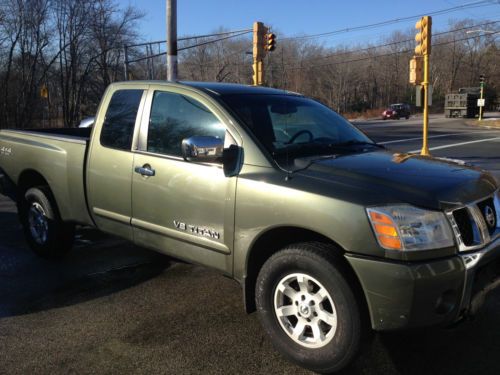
(175, 117)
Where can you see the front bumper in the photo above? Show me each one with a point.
(441, 292)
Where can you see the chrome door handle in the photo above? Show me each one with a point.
(145, 170)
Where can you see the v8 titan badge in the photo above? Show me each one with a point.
(200, 231)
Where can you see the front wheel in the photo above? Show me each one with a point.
(308, 309)
(47, 235)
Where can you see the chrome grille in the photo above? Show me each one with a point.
(473, 224)
(465, 227)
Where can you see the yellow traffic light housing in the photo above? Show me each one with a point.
(44, 92)
(259, 40)
(270, 42)
(423, 37)
(260, 33)
(263, 42)
(416, 70)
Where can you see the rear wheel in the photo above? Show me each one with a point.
(308, 309)
(46, 234)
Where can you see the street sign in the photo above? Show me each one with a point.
(480, 102)
(419, 96)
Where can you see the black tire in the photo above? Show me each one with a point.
(317, 261)
(47, 235)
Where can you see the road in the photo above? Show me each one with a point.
(110, 307)
(451, 138)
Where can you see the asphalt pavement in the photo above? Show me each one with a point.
(112, 308)
(461, 139)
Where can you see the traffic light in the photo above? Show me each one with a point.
(270, 42)
(423, 37)
(416, 70)
(259, 40)
(481, 78)
(44, 92)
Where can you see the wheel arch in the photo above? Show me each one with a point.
(275, 239)
(30, 178)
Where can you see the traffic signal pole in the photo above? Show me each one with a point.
(423, 48)
(425, 85)
(482, 97)
(259, 30)
(263, 42)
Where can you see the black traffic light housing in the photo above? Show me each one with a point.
(270, 42)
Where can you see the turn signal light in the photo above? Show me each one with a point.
(386, 231)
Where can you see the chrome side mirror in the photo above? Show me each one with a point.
(203, 149)
(87, 122)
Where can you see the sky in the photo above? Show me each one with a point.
(293, 17)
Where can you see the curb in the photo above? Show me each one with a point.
(489, 124)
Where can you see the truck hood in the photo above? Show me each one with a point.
(377, 178)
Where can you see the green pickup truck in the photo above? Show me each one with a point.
(327, 232)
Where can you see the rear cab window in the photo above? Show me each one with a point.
(119, 122)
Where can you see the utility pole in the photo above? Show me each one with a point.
(423, 48)
(125, 62)
(481, 100)
(172, 40)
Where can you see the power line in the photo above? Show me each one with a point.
(188, 47)
(239, 32)
(335, 54)
(214, 41)
(371, 48)
(218, 34)
(382, 55)
(476, 4)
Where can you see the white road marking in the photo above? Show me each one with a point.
(432, 136)
(458, 144)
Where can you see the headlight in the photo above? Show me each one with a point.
(404, 227)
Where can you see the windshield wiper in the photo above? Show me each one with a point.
(289, 173)
(354, 142)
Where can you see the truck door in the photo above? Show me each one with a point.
(181, 208)
(109, 171)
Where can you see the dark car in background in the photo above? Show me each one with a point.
(396, 111)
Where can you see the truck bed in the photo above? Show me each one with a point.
(66, 133)
(58, 156)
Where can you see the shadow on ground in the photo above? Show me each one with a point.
(472, 347)
(98, 265)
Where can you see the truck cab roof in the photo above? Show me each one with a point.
(217, 88)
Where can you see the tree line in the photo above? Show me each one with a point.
(58, 56)
(361, 77)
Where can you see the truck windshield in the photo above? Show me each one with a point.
(295, 126)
